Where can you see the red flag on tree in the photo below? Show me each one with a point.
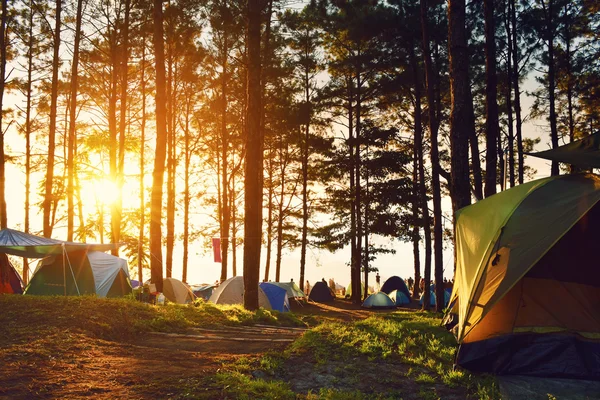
(216, 244)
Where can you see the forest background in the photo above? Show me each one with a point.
(346, 88)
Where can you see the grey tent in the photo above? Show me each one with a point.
(232, 292)
(293, 291)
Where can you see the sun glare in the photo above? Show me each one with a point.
(105, 192)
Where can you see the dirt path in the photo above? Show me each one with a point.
(76, 367)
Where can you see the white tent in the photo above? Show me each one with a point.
(106, 268)
(232, 292)
(177, 291)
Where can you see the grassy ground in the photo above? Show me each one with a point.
(347, 354)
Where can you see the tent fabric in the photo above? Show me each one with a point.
(395, 283)
(23, 244)
(584, 153)
(399, 298)
(531, 305)
(231, 291)
(106, 268)
(10, 281)
(378, 300)
(362, 289)
(85, 273)
(277, 296)
(293, 291)
(177, 292)
(501, 237)
(433, 299)
(203, 291)
(52, 273)
(320, 293)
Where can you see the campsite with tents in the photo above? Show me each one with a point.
(337, 200)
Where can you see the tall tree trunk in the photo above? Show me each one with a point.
(515, 81)
(225, 210)
(549, 10)
(28, 133)
(171, 153)
(254, 161)
(269, 229)
(122, 126)
(417, 200)
(186, 188)
(568, 55)
(491, 109)
(72, 122)
(435, 162)
(509, 108)
(462, 122)
(160, 152)
(354, 265)
(280, 213)
(233, 227)
(142, 167)
(357, 183)
(305, 157)
(113, 130)
(3, 45)
(48, 198)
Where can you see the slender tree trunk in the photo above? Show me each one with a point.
(186, 188)
(122, 126)
(171, 152)
(3, 45)
(226, 213)
(435, 162)
(462, 122)
(160, 152)
(417, 201)
(233, 227)
(491, 92)
(476, 165)
(305, 158)
(269, 214)
(357, 183)
(28, 133)
(280, 215)
(354, 266)
(253, 162)
(509, 107)
(48, 198)
(113, 130)
(551, 81)
(568, 55)
(515, 77)
(142, 167)
(72, 122)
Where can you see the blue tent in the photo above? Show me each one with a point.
(203, 291)
(378, 300)
(399, 298)
(432, 300)
(395, 283)
(277, 296)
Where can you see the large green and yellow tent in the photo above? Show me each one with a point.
(527, 283)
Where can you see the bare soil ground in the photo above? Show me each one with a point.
(63, 364)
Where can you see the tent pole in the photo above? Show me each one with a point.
(64, 270)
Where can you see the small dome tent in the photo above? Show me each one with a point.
(378, 300)
(395, 283)
(292, 290)
(320, 293)
(231, 291)
(277, 296)
(362, 290)
(399, 298)
(177, 292)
